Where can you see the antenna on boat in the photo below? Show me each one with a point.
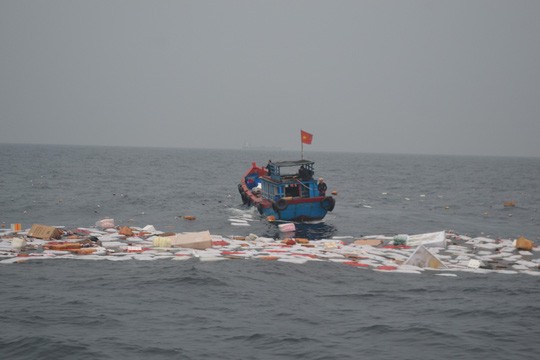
(305, 138)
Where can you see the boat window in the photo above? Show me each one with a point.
(292, 190)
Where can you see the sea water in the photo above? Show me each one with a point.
(242, 309)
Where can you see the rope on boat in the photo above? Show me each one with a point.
(301, 183)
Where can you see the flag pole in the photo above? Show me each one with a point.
(301, 146)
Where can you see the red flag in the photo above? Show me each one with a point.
(306, 137)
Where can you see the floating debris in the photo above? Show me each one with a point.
(523, 244)
(445, 253)
(287, 227)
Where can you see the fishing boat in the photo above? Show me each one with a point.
(285, 190)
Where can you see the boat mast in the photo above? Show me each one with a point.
(305, 137)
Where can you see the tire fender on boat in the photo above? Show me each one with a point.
(328, 203)
(245, 199)
(280, 205)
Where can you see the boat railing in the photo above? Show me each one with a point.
(294, 188)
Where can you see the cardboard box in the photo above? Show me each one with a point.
(423, 258)
(44, 232)
(194, 240)
(436, 239)
(368, 242)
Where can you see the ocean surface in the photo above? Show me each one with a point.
(242, 309)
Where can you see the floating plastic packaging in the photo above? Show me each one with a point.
(162, 242)
(105, 223)
(288, 227)
(18, 243)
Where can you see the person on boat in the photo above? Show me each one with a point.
(268, 167)
(304, 173)
(322, 187)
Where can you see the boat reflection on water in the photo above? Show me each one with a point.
(311, 231)
(315, 231)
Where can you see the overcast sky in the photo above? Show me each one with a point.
(433, 77)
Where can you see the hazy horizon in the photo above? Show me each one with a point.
(396, 77)
(307, 152)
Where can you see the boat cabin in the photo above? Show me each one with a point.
(289, 179)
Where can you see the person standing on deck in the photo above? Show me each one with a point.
(322, 187)
(268, 170)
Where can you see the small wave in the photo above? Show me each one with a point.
(153, 352)
(353, 296)
(259, 339)
(186, 280)
(41, 347)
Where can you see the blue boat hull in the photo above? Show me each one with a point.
(297, 212)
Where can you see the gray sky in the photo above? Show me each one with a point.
(435, 77)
